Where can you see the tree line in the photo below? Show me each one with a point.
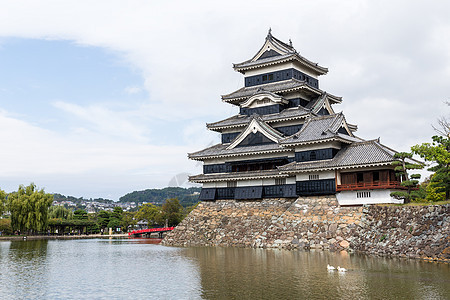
(30, 211)
(186, 196)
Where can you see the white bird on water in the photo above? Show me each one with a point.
(330, 268)
(341, 269)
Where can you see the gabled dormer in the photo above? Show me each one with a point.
(277, 61)
(256, 133)
(322, 104)
(263, 103)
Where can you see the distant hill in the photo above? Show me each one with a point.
(59, 198)
(187, 196)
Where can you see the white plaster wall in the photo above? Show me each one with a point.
(254, 182)
(290, 180)
(376, 196)
(215, 184)
(268, 181)
(268, 69)
(322, 175)
(214, 161)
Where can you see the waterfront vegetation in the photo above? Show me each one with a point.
(435, 188)
(28, 211)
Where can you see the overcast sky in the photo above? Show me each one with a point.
(102, 98)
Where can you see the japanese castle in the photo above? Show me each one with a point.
(288, 142)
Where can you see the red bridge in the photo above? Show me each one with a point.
(150, 231)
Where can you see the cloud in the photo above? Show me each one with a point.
(133, 90)
(390, 64)
(104, 121)
(30, 153)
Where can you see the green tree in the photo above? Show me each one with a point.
(115, 218)
(172, 211)
(128, 220)
(438, 154)
(80, 214)
(5, 227)
(103, 217)
(114, 223)
(402, 165)
(2, 202)
(148, 212)
(59, 212)
(29, 208)
(117, 212)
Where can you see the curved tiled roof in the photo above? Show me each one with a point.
(287, 53)
(220, 150)
(242, 120)
(274, 87)
(318, 129)
(354, 155)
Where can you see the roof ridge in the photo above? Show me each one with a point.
(229, 118)
(383, 147)
(307, 122)
(321, 117)
(337, 121)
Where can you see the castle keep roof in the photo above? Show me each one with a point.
(221, 150)
(279, 87)
(274, 52)
(322, 128)
(357, 154)
(242, 120)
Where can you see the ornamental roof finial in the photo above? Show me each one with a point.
(290, 43)
(270, 31)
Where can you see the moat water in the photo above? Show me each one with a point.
(143, 269)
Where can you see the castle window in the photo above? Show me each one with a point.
(312, 155)
(280, 181)
(363, 195)
(264, 78)
(314, 177)
(231, 184)
(270, 76)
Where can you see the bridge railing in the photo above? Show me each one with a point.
(149, 230)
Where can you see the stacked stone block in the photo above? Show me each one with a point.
(318, 223)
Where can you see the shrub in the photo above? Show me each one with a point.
(5, 227)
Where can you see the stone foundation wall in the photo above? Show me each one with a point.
(317, 223)
(227, 223)
(405, 231)
(314, 222)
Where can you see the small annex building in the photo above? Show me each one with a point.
(287, 141)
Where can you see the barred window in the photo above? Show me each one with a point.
(363, 195)
(231, 184)
(314, 177)
(280, 181)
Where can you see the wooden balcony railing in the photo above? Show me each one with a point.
(370, 186)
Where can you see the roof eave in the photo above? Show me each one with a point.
(313, 66)
(336, 168)
(203, 157)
